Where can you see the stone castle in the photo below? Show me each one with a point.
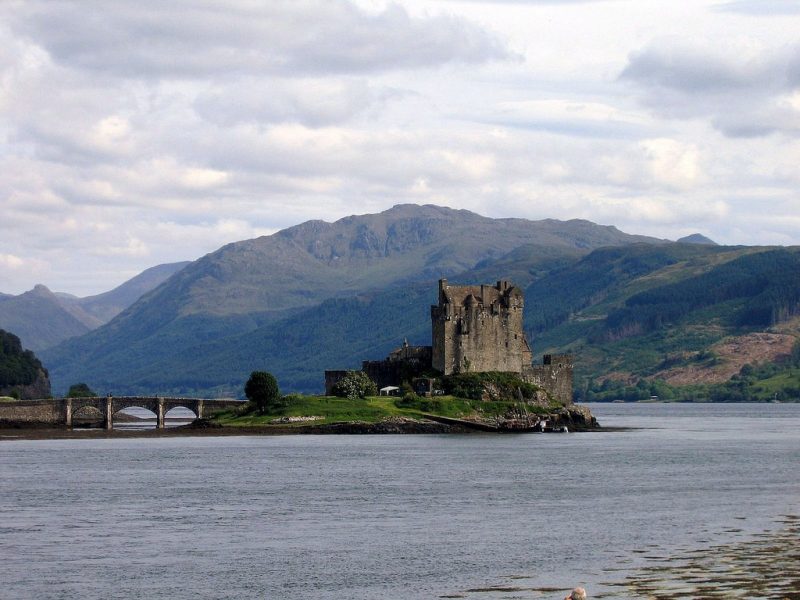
(475, 328)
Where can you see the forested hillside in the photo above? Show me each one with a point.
(21, 374)
(676, 317)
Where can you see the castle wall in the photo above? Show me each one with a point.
(554, 375)
(479, 328)
(402, 365)
(383, 372)
(332, 378)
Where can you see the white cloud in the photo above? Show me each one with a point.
(744, 90)
(673, 163)
(9, 261)
(138, 133)
(760, 7)
(196, 39)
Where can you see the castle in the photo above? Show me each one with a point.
(475, 328)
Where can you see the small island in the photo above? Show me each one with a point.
(477, 374)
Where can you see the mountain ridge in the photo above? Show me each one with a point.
(42, 318)
(249, 284)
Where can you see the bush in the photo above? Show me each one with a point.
(491, 385)
(355, 384)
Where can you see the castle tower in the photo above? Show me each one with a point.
(477, 328)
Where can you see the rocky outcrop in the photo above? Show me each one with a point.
(38, 388)
(570, 418)
(393, 425)
(575, 418)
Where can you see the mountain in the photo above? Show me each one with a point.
(43, 319)
(39, 319)
(697, 238)
(642, 316)
(104, 307)
(310, 297)
(21, 374)
(305, 264)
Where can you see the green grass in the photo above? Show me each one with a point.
(331, 409)
(786, 383)
(370, 410)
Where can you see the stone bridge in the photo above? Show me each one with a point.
(111, 405)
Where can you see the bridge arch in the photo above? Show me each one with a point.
(179, 412)
(143, 417)
(86, 414)
(109, 406)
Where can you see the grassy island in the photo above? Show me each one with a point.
(484, 401)
(331, 409)
(321, 412)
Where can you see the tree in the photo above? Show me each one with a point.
(355, 384)
(262, 390)
(80, 390)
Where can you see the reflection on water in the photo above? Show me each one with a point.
(136, 418)
(764, 566)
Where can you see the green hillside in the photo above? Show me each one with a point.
(104, 307)
(42, 319)
(640, 316)
(666, 319)
(319, 295)
(211, 356)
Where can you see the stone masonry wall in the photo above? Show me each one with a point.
(554, 375)
(32, 411)
(479, 328)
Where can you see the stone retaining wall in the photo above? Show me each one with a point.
(32, 411)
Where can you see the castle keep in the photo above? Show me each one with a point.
(474, 328)
(479, 328)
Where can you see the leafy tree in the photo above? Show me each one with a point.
(355, 384)
(262, 389)
(80, 390)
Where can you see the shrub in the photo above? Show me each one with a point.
(491, 385)
(355, 384)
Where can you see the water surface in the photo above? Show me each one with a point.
(415, 516)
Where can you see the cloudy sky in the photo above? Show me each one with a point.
(138, 133)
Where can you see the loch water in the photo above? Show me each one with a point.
(670, 505)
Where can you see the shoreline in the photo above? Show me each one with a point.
(43, 432)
